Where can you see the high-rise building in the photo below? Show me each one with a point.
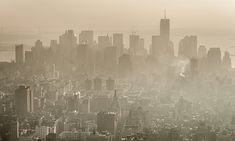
(188, 47)
(133, 44)
(9, 128)
(19, 54)
(118, 43)
(202, 52)
(67, 43)
(227, 64)
(107, 121)
(23, 100)
(124, 65)
(214, 58)
(165, 29)
(28, 57)
(37, 52)
(86, 37)
(104, 41)
(162, 48)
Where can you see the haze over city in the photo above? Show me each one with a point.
(117, 70)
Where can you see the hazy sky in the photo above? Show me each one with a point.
(123, 14)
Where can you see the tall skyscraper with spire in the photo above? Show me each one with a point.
(165, 28)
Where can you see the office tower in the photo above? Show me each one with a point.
(88, 84)
(68, 40)
(104, 41)
(86, 37)
(133, 44)
(67, 43)
(124, 65)
(110, 84)
(214, 58)
(9, 128)
(165, 29)
(23, 100)
(82, 54)
(53, 46)
(118, 43)
(227, 64)
(202, 52)
(107, 121)
(97, 82)
(188, 47)
(19, 54)
(110, 60)
(37, 52)
(28, 57)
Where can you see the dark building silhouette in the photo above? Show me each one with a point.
(227, 64)
(202, 52)
(23, 100)
(28, 57)
(19, 54)
(165, 29)
(133, 44)
(9, 128)
(104, 41)
(107, 121)
(86, 37)
(118, 43)
(214, 58)
(188, 47)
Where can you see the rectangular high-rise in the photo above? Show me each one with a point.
(165, 29)
(118, 43)
(19, 54)
(107, 121)
(86, 37)
(23, 100)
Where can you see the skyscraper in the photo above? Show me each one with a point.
(19, 54)
(188, 47)
(104, 41)
(165, 29)
(214, 58)
(133, 44)
(86, 37)
(202, 52)
(107, 121)
(227, 60)
(118, 43)
(23, 100)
